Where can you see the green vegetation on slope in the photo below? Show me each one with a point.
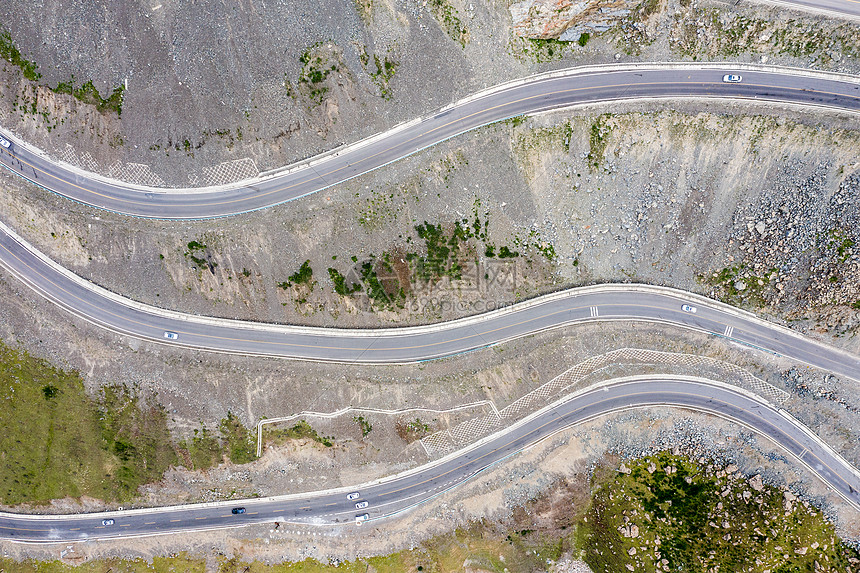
(449, 19)
(137, 435)
(86, 92)
(201, 451)
(238, 440)
(206, 449)
(667, 512)
(10, 53)
(299, 431)
(448, 248)
(59, 442)
(316, 67)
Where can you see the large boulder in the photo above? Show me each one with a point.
(566, 19)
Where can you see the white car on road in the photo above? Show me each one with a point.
(362, 504)
(359, 519)
(353, 496)
(688, 308)
(5, 143)
(170, 335)
(732, 79)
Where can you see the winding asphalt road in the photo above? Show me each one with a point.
(394, 495)
(619, 302)
(541, 93)
(415, 344)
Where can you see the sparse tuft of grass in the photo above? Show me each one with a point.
(598, 140)
(365, 425)
(449, 20)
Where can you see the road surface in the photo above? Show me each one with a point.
(406, 345)
(399, 493)
(530, 96)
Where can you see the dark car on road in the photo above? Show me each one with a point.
(238, 510)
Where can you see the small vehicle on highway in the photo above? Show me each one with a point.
(5, 143)
(238, 510)
(688, 308)
(359, 519)
(732, 79)
(353, 496)
(107, 522)
(170, 335)
(362, 504)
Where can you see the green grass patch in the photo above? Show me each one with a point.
(202, 450)
(299, 431)
(339, 282)
(736, 286)
(598, 140)
(442, 253)
(202, 262)
(385, 70)
(538, 50)
(412, 430)
(181, 562)
(838, 240)
(382, 293)
(138, 436)
(10, 53)
(238, 440)
(58, 442)
(365, 10)
(303, 276)
(87, 93)
(316, 67)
